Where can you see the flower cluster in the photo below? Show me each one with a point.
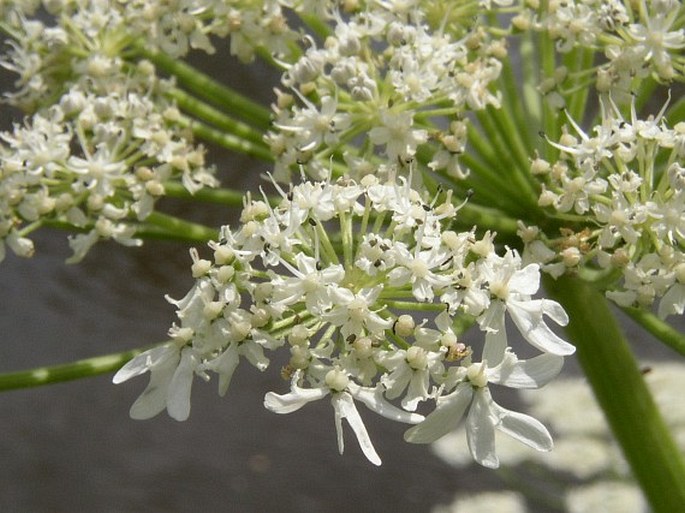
(103, 140)
(385, 71)
(368, 317)
(636, 39)
(96, 162)
(625, 181)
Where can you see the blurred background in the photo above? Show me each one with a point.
(72, 447)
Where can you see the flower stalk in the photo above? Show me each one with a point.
(619, 387)
(79, 369)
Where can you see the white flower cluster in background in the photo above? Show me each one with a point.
(384, 71)
(635, 39)
(626, 179)
(369, 317)
(586, 465)
(102, 141)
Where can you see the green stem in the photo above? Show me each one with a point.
(228, 141)
(579, 59)
(622, 393)
(67, 371)
(164, 226)
(660, 329)
(485, 218)
(206, 112)
(206, 87)
(223, 196)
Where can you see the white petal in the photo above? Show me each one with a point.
(524, 428)
(396, 381)
(480, 429)
(417, 390)
(153, 399)
(373, 399)
(495, 347)
(673, 302)
(526, 281)
(345, 409)
(178, 394)
(446, 416)
(554, 311)
(294, 400)
(255, 354)
(527, 315)
(492, 319)
(224, 365)
(143, 362)
(532, 373)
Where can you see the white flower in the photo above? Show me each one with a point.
(512, 288)
(309, 283)
(397, 135)
(351, 311)
(484, 415)
(171, 375)
(410, 370)
(343, 393)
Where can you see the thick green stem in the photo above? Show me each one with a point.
(67, 371)
(622, 393)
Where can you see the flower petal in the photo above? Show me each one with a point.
(144, 362)
(446, 416)
(224, 365)
(345, 409)
(526, 280)
(153, 399)
(480, 429)
(373, 399)
(496, 343)
(524, 428)
(294, 400)
(178, 394)
(532, 373)
(528, 317)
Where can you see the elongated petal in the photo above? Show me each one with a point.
(373, 399)
(144, 362)
(524, 428)
(527, 315)
(224, 365)
(178, 395)
(532, 373)
(480, 429)
(493, 318)
(496, 344)
(345, 409)
(153, 399)
(554, 311)
(445, 418)
(294, 400)
(255, 354)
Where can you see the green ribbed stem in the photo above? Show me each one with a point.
(66, 372)
(622, 393)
